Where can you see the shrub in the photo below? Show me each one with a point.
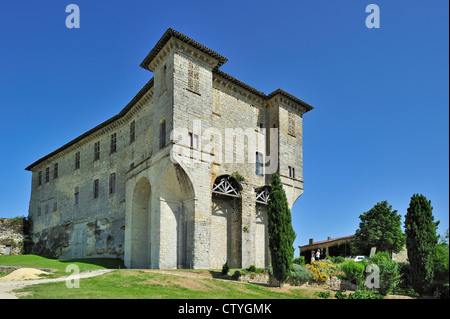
(251, 268)
(389, 272)
(339, 259)
(225, 268)
(299, 274)
(359, 294)
(323, 294)
(320, 270)
(299, 260)
(354, 271)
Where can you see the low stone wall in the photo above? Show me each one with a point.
(333, 283)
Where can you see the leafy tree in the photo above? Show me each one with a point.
(281, 233)
(421, 239)
(380, 227)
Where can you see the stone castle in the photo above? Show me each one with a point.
(179, 178)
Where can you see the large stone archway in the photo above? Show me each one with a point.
(177, 206)
(140, 241)
(226, 222)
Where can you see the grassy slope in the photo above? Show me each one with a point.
(138, 284)
(34, 261)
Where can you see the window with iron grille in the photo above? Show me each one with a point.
(47, 174)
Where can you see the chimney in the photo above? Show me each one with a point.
(311, 240)
(329, 238)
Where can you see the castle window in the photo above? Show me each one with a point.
(39, 210)
(40, 179)
(193, 140)
(77, 160)
(113, 147)
(96, 188)
(77, 195)
(162, 134)
(55, 206)
(193, 77)
(47, 174)
(97, 151)
(291, 124)
(259, 164)
(291, 171)
(112, 183)
(132, 131)
(55, 171)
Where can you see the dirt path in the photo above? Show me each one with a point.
(7, 287)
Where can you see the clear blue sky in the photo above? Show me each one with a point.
(379, 130)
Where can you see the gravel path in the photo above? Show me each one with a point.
(7, 287)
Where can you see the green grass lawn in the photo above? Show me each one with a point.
(34, 261)
(139, 284)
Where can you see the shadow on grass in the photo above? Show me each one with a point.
(95, 263)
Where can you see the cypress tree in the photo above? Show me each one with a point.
(421, 239)
(281, 233)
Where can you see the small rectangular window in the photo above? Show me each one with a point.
(55, 171)
(77, 195)
(259, 164)
(40, 178)
(162, 134)
(97, 151)
(96, 181)
(47, 174)
(77, 160)
(193, 140)
(193, 77)
(291, 124)
(112, 183)
(55, 206)
(291, 171)
(113, 147)
(132, 131)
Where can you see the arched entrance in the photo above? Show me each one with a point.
(226, 222)
(177, 206)
(140, 225)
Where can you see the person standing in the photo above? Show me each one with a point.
(318, 254)
(313, 255)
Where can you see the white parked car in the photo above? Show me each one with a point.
(359, 258)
